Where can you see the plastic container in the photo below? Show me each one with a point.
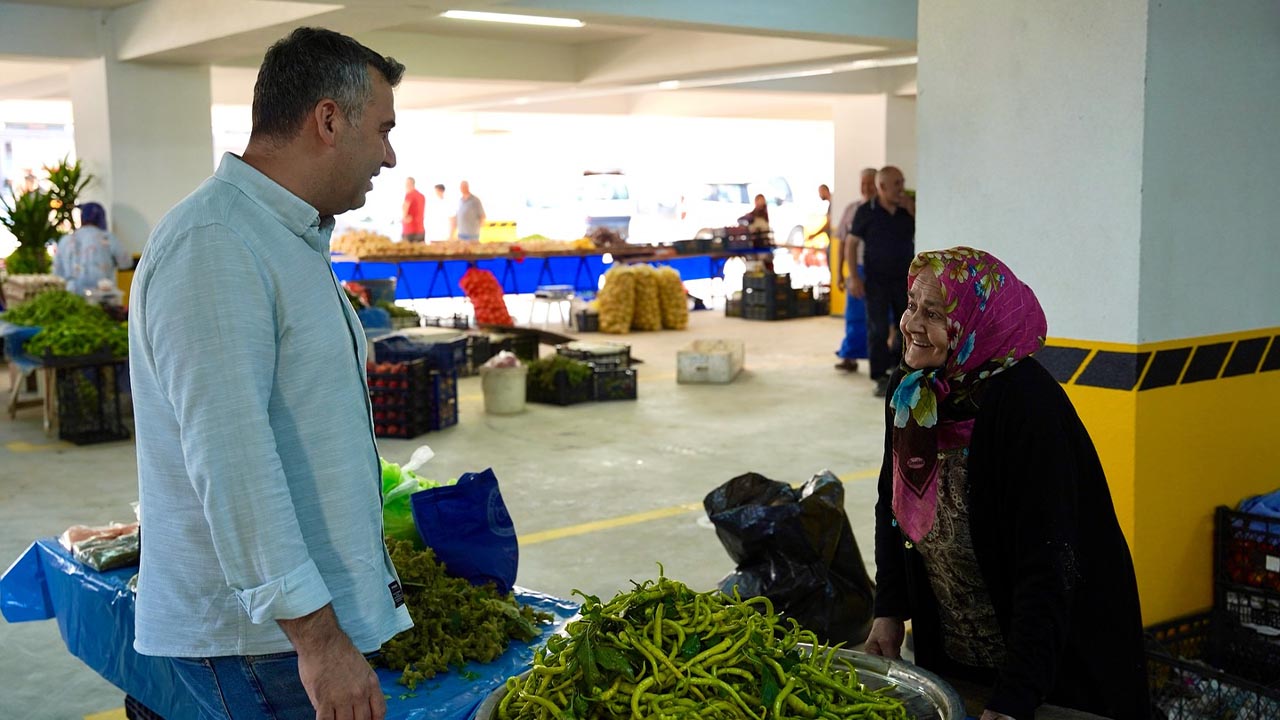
(1192, 673)
(710, 361)
(598, 354)
(1247, 549)
(90, 408)
(505, 391)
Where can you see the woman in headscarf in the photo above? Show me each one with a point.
(91, 254)
(995, 531)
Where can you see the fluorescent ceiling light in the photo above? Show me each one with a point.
(669, 85)
(507, 18)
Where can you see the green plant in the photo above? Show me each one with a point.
(29, 217)
(68, 180)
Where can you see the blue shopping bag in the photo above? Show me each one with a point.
(469, 529)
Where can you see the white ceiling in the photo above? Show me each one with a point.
(612, 65)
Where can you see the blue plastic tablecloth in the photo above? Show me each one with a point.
(95, 616)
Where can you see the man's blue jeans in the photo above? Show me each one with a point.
(255, 687)
(854, 346)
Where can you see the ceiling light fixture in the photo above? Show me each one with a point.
(669, 85)
(509, 18)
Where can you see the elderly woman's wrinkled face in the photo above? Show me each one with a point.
(924, 324)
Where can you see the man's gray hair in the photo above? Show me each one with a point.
(869, 171)
(308, 66)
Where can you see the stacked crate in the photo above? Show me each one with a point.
(1226, 662)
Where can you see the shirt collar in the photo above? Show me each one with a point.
(290, 210)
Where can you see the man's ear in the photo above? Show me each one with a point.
(328, 117)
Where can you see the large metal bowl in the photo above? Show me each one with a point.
(926, 696)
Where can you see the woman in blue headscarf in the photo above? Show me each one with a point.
(91, 254)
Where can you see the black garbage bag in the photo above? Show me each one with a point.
(795, 547)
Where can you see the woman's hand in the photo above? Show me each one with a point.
(885, 638)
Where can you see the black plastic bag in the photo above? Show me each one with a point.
(795, 547)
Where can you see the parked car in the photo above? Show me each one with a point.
(720, 204)
(606, 201)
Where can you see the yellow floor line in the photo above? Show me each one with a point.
(642, 517)
(22, 446)
(117, 714)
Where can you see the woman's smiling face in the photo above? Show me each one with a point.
(924, 324)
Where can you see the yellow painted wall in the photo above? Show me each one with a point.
(1172, 455)
(1111, 417)
(1199, 446)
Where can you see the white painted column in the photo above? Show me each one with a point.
(1122, 157)
(145, 132)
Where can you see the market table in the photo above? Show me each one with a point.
(424, 277)
(95, 613)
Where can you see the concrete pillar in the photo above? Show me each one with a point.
(1121, 157)
(145, 132)
(870, 131)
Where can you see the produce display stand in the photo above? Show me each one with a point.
(95, 614)
(420, 277)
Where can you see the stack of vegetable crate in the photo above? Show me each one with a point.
(411, 397)
(1226, 662)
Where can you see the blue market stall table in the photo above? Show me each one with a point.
(95, 613)
(420, 278)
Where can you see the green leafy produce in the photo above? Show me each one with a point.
(395, 310)
(69, 325)
(454, 622)
(542, 372)
(51, 306)
(30, 217)
(665, 651)
(398, 486)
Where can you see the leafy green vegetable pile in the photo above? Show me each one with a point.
(454, 622)
(665, 651)
(542, 372)
(70, 326)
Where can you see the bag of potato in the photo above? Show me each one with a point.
(672, 298)
(648, 313)
(617, 299)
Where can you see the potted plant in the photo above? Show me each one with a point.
(67, 180)
(30, 217)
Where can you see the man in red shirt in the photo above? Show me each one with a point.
(414, 205)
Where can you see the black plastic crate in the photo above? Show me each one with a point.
(479, 351)
(1187, 678)
(807, 307)
(562, 393)
(406, 379)
(442, 405)
(1246, 549)
(765, 281)
(781, 297)
(617, 383)
(733, 306)
(457, 321)
(619, 355)
(90, 404)
(587, 321)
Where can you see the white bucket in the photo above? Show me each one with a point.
(504, 389)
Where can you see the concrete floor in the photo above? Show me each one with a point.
(642, 468)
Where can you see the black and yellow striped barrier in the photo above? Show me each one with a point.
(1117, 367)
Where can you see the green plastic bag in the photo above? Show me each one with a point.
(398, 484)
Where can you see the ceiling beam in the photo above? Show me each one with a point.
(889, 21)
(44, 31)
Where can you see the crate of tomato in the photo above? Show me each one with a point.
(410, 398)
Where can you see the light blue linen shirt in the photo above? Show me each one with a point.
(257, 467)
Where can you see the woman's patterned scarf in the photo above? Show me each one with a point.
(993, 321)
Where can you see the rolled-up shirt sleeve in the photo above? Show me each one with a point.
(215, 365)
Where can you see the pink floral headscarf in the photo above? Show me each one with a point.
(993, 321)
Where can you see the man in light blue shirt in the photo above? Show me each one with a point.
(258, 470)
